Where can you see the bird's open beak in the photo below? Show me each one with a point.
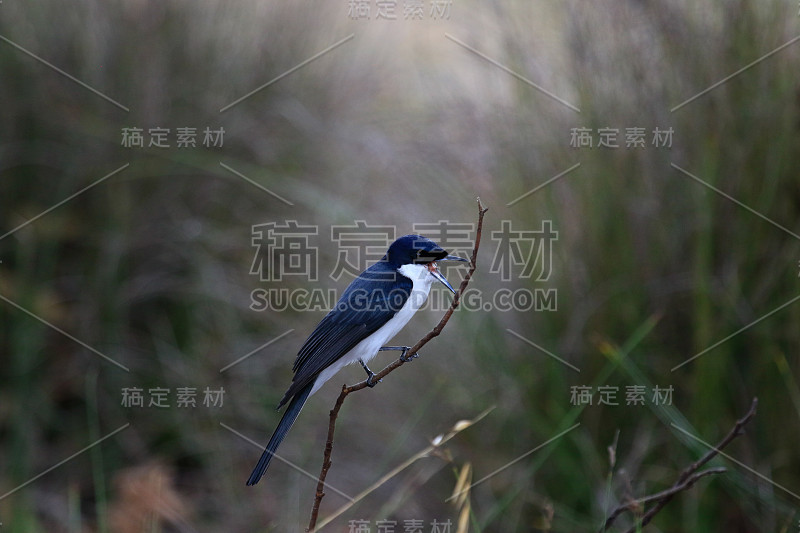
(433, 268)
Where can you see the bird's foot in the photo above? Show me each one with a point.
(370, 375)
(409, 358)
(371, 380)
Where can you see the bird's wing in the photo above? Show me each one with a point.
(367, 304)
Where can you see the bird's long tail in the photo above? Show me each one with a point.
(283, 428)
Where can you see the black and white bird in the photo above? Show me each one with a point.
(371, 311)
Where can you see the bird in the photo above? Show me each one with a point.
(370, 312)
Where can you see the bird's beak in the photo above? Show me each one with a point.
(433, 268)
(454, 258)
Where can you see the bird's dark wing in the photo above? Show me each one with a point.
(368, 303)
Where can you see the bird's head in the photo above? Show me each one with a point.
(421, 251)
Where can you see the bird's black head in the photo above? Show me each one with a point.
(419, 250)
(414, 249)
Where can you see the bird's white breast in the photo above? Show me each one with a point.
(367, 349)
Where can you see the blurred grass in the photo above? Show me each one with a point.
(396, 127)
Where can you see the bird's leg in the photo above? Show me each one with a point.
(403, 349)
(370, 374)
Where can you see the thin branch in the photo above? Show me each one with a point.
(675, 489)
(326, 461)
(688, 477)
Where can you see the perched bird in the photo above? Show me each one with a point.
(372, 310)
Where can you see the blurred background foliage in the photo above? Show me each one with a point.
(400, 125)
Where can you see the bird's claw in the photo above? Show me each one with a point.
(407, 359)
(370, 375)
(371, 380)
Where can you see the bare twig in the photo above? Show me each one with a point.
(326, 461)
(679, 487)
(688, 477)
